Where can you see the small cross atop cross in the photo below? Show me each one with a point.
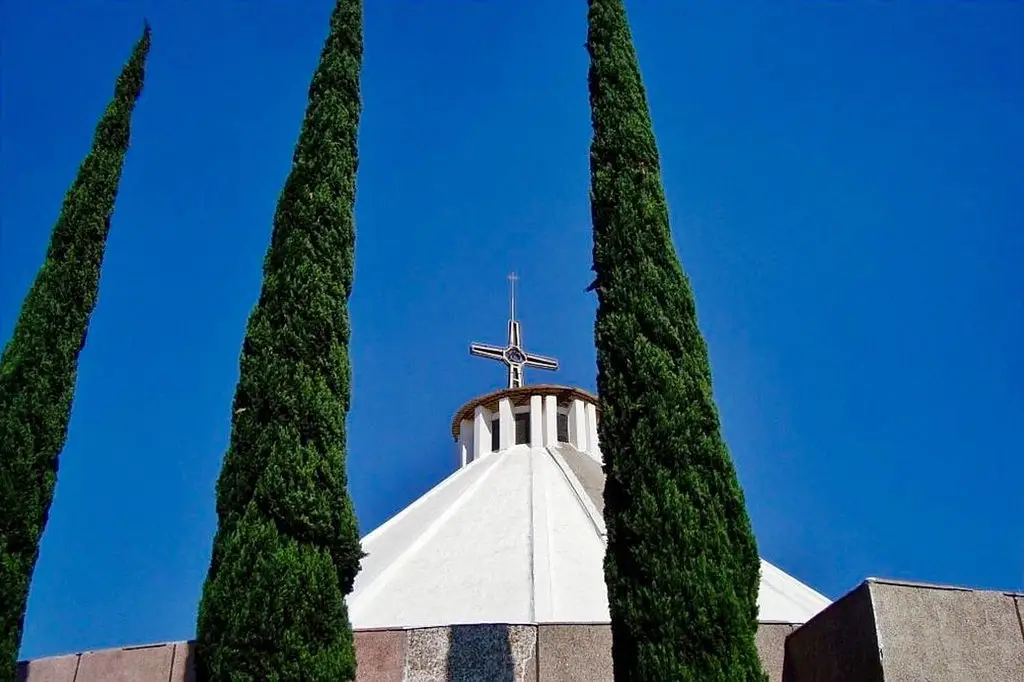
(513, 355)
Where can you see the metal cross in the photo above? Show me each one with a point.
(513, 355)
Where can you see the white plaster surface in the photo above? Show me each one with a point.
(781, 597)
(481, 433)
(578, 593)
(578, 425)
(510, 538)
(465, 446)
(536, 421)
(507, 429)
(592, 442)
(550, 420)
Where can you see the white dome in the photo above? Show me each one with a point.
(515, 536)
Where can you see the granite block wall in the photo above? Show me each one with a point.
(158, 662)
(879, 632)
(460, 653)
(887, 631)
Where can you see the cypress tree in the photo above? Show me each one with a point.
(682, 567)
(39, 365)
(287, 550)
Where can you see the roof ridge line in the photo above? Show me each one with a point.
(422, 499)
(577, 488)
(923, 584)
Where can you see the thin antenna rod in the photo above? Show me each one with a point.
(512, 298)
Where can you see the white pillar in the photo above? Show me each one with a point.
(578, 425)
(481, 432)
(507, 428)
(550, 421)
(465, 442)
(536, 421)
(592, 447)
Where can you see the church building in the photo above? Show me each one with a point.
(496, 574)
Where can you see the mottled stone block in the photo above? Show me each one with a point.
(522, 640)
(472, 653)
(137, 664)
(837, 645)
(946, 634)
(52, 669)
(488, 652)
(426, 655)
(574, 653)
(183, 664)
(380, 655)
(771, 648)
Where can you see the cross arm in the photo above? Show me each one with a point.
(541, 362)
(483, 350)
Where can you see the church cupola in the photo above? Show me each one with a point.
(516, 534)
(542, 415)
(537, 416)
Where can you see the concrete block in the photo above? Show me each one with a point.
(183, 663)
(574, 653)
(135, 664)
(771, 648)
(52, 669)
(947, 634)
(889, 631)
(380, 655)
(837, 645)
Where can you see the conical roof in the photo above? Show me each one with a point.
(516, 536)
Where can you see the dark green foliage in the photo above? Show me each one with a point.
(287, 546)
(40, 363)
(682, 566)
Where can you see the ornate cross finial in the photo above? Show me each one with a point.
(513, 355)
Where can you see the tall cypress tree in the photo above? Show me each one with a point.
(287, 550)
(682, 566)
(39, 366)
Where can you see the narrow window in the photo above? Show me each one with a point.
(563, 428)
(523, 428)
(495, 434)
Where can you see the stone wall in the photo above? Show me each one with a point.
(164, 662)
(882, 631)
(461, 653)
(888, 631)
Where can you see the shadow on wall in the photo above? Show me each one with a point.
(480, 653)
(190, 663)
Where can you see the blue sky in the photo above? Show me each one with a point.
(844, 181)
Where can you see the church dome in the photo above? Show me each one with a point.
(516, 534)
